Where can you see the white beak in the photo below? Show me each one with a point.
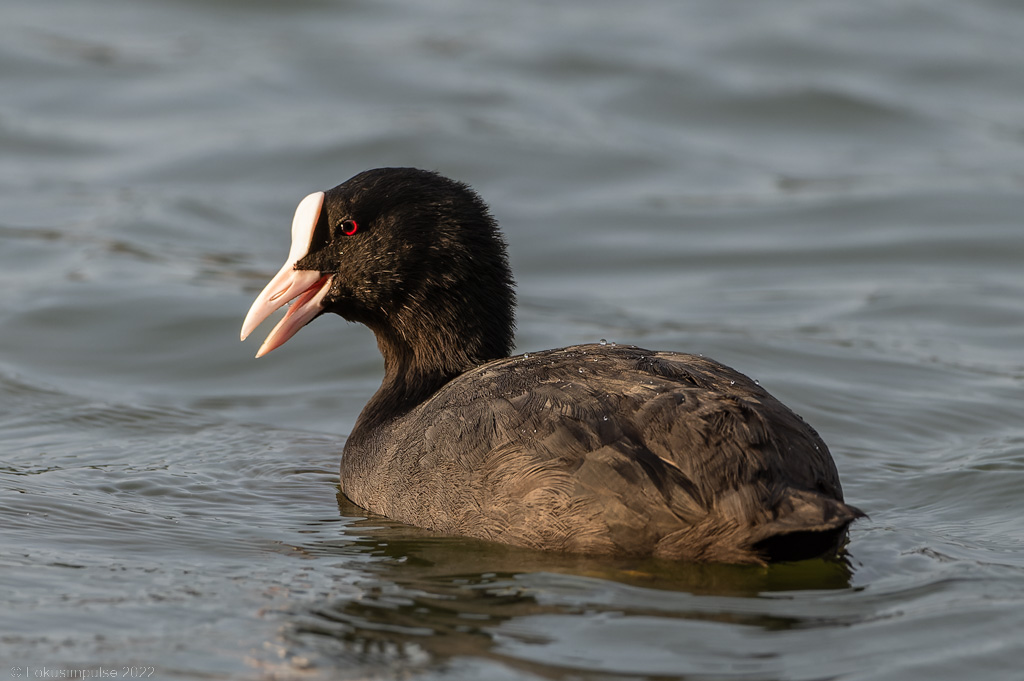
(309, 286)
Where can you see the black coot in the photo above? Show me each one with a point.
(599, 449)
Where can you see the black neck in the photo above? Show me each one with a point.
(420, 359)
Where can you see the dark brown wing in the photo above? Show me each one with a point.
(609, 449)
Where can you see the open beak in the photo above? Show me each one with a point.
(306, 287)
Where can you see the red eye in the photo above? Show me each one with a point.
(349, 227)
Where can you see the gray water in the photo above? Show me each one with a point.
(827, 196)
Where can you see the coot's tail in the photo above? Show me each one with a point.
(804, 525)
(794, 524)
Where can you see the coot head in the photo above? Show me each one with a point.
(413, 255)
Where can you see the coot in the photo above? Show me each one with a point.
(597, 449)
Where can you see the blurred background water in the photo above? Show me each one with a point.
(827, 196)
